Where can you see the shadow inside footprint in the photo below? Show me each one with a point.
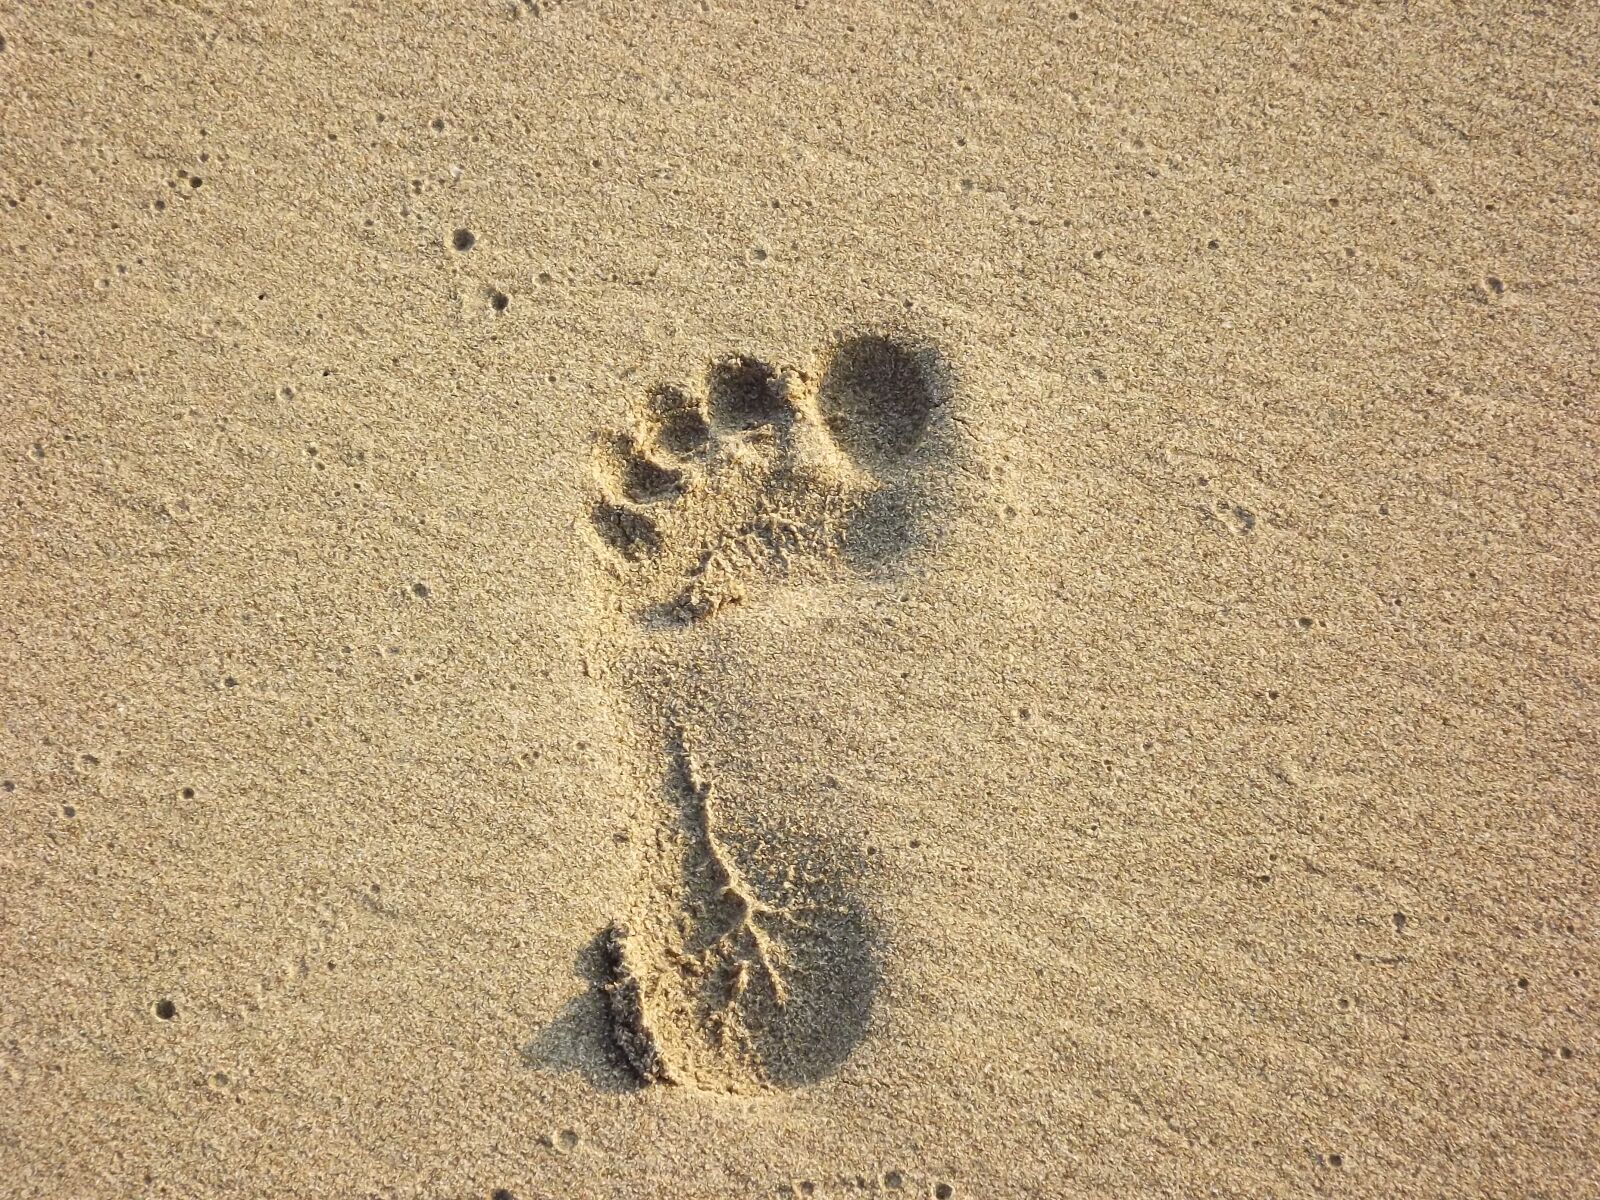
(878, 397)
(579, 1040)
(831, 961)
(743, 394)
(680, 421)
(755, 968)
(645, 481)
(629, 532)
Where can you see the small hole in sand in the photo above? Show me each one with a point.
(1304, 622)
(8, 786)
(1336, 1160)
(567, 1139)
(195, 181)
(1213, 244)
(187, 793)
(502, 1194)
(438, 124)
(68, 811)
(1566, 1052)
(463, 239)
(943, 1191)
(166, 1009)
(499, 301)
(420, 590)
(1399, 920)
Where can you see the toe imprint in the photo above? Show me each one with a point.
(878, 396)
(765, 472)
(680, 423)
(744, 394)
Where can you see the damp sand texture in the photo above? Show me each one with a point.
(727, 600)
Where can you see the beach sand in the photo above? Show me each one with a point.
(732, 599)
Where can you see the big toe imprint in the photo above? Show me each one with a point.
(877, 397)
(766, 468)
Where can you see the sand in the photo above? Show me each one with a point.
(731, 599)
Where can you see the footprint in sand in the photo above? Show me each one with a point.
(745, 961)
(767, 470)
